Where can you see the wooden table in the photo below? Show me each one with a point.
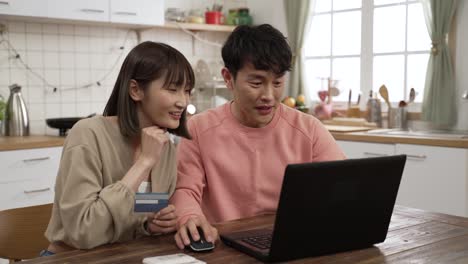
(415, 236)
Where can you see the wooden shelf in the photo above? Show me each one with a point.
(199, 27)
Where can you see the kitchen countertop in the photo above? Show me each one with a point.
(16, 143)
(392, 139)
(30, 142)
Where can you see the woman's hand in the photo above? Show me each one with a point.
(163, 222)
(153, 140)
(147, 155)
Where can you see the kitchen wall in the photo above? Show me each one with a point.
(70, 56)
(461, 63)
(67, 56)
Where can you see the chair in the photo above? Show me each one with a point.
(22, 232)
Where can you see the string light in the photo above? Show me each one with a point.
(16, 55)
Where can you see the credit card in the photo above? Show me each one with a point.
(150, 202)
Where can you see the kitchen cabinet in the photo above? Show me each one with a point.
(28, 176)
(356, 150)
(434, 179)
(141, 13)
(86, 10)
(36, 8)
(138, 12)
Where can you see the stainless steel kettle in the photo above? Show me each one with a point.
(16, 119)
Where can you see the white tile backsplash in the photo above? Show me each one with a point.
(36, 94)
(82, 78)
(34, 59)
(18, 76)
(16, 27)
(66, 30)
(98, 107)
(52, 76)
(81, 31)
(71, 56)
(83, 96)
(52, 97)
(34, 79)
(67, 60)
(98, 92)
(83, 109)
(33, 42)
(50, 29)
(33, 28)
(51, 60)
(81, 44)
(66, 43)
(52, 110)
(4, 77)
(68, 95)
(18, 40)
(82, 61)
(67, 78)
(50, 42)
(68, 110)
(36, 112)
(37, 127)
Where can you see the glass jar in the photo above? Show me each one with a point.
(232, 17)
(244, 17)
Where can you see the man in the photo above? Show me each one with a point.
(234, 165)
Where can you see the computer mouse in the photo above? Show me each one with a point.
(201, 244)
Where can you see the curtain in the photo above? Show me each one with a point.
(439, 103)
(298, 19)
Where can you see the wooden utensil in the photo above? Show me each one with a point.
(349, 98)
(412, 95)
(384, 93)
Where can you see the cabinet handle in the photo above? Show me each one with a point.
(37, 190)
(375, 154)
(125, 13)
(35, 159)
(4, 3)
(416, 157)
(89, 10)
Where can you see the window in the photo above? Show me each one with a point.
(367, 43)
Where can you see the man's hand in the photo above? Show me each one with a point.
(181, 237)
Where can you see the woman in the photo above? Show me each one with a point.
(107, 159)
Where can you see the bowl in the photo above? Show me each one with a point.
(64, 123)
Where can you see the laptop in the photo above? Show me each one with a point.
(325, 208)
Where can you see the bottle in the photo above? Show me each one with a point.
(374, 110)
(16, 118)
(243, 17)
(232, 18)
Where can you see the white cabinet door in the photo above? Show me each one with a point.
(27, 193)
(30, 164)
(142, 12)
(34, 8)
(434, 179)
(88, 10)
(27, 177)
(355, 150)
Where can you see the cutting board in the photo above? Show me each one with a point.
(347, 121)
(343, 129)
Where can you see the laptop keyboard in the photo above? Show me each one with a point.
(262, 241)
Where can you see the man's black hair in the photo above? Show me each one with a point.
(264, 46)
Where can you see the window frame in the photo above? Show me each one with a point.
(367, 53)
